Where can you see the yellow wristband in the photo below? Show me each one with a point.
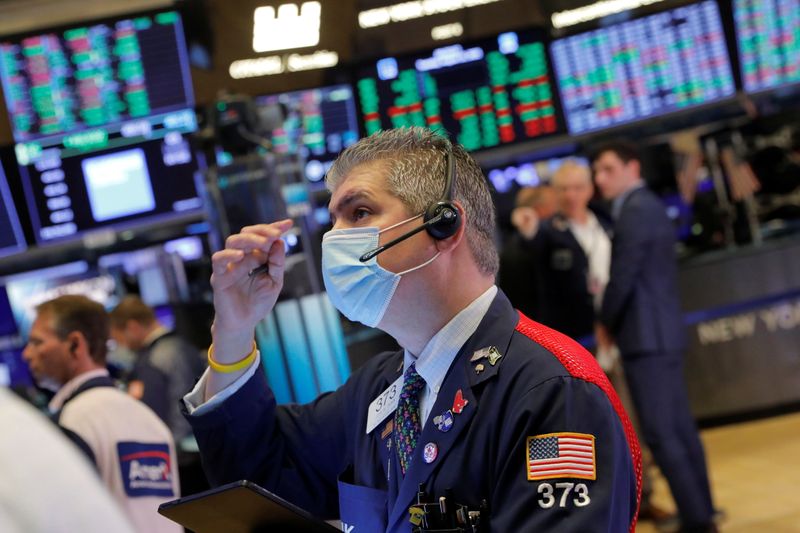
(233, 367)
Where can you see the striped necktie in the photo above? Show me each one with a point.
(407, 417)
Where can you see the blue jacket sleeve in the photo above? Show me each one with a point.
(564, 504)
(295, 451)
(629, 251)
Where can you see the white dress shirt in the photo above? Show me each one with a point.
(596, 244)
(435, 359)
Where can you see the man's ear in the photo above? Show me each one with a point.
(76, 341)
(450, 243)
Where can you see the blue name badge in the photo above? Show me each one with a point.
(146, 469)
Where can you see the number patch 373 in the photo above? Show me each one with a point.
(563, 495)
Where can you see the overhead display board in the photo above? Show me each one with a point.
(92, 75)
(101, 113)
(319, 123)
(643, 68)
(768, 40)
(484, 94)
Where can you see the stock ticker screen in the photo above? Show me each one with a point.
(486, 94)
(768, 39)
(101, 114)
(643, 68)
(94, 75)
(320, 123)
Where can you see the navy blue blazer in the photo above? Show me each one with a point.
(320, 456)
(565, 303)
(641, 306)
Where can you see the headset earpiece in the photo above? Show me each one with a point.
(448, 223)
(441, 218)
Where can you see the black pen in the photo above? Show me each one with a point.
(263, 269)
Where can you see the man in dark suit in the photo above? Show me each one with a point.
(573, 251)
(642, 312)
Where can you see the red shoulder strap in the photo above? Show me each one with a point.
(580, 364)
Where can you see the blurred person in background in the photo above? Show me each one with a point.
(166, 364)
(47, 486)
(573, 251)
(532, 205)
(641, 312)
(132, 448)
(517, 275)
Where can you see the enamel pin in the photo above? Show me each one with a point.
(490, 352)
(430, 452)
(494, 356)
(444, 422)
(479, 354)
(459, 402)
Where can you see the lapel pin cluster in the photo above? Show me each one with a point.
(490, 353)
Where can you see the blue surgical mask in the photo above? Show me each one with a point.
(361, 291)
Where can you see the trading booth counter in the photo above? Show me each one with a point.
(742, 309)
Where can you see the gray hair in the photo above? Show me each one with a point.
(415, 174)
(569, 166)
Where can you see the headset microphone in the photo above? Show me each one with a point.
(441, 218)
(446, 214)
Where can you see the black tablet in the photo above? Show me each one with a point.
(241, 507)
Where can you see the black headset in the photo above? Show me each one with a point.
(441, 219)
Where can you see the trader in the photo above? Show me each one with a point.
(132, 449)
(166, 367)
(482, 404)
(642, 312)
(574, 251)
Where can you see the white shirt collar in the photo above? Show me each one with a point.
(591, 221)
(435, 359)
(71, 386)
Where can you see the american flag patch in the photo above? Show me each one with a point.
(560, 455)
